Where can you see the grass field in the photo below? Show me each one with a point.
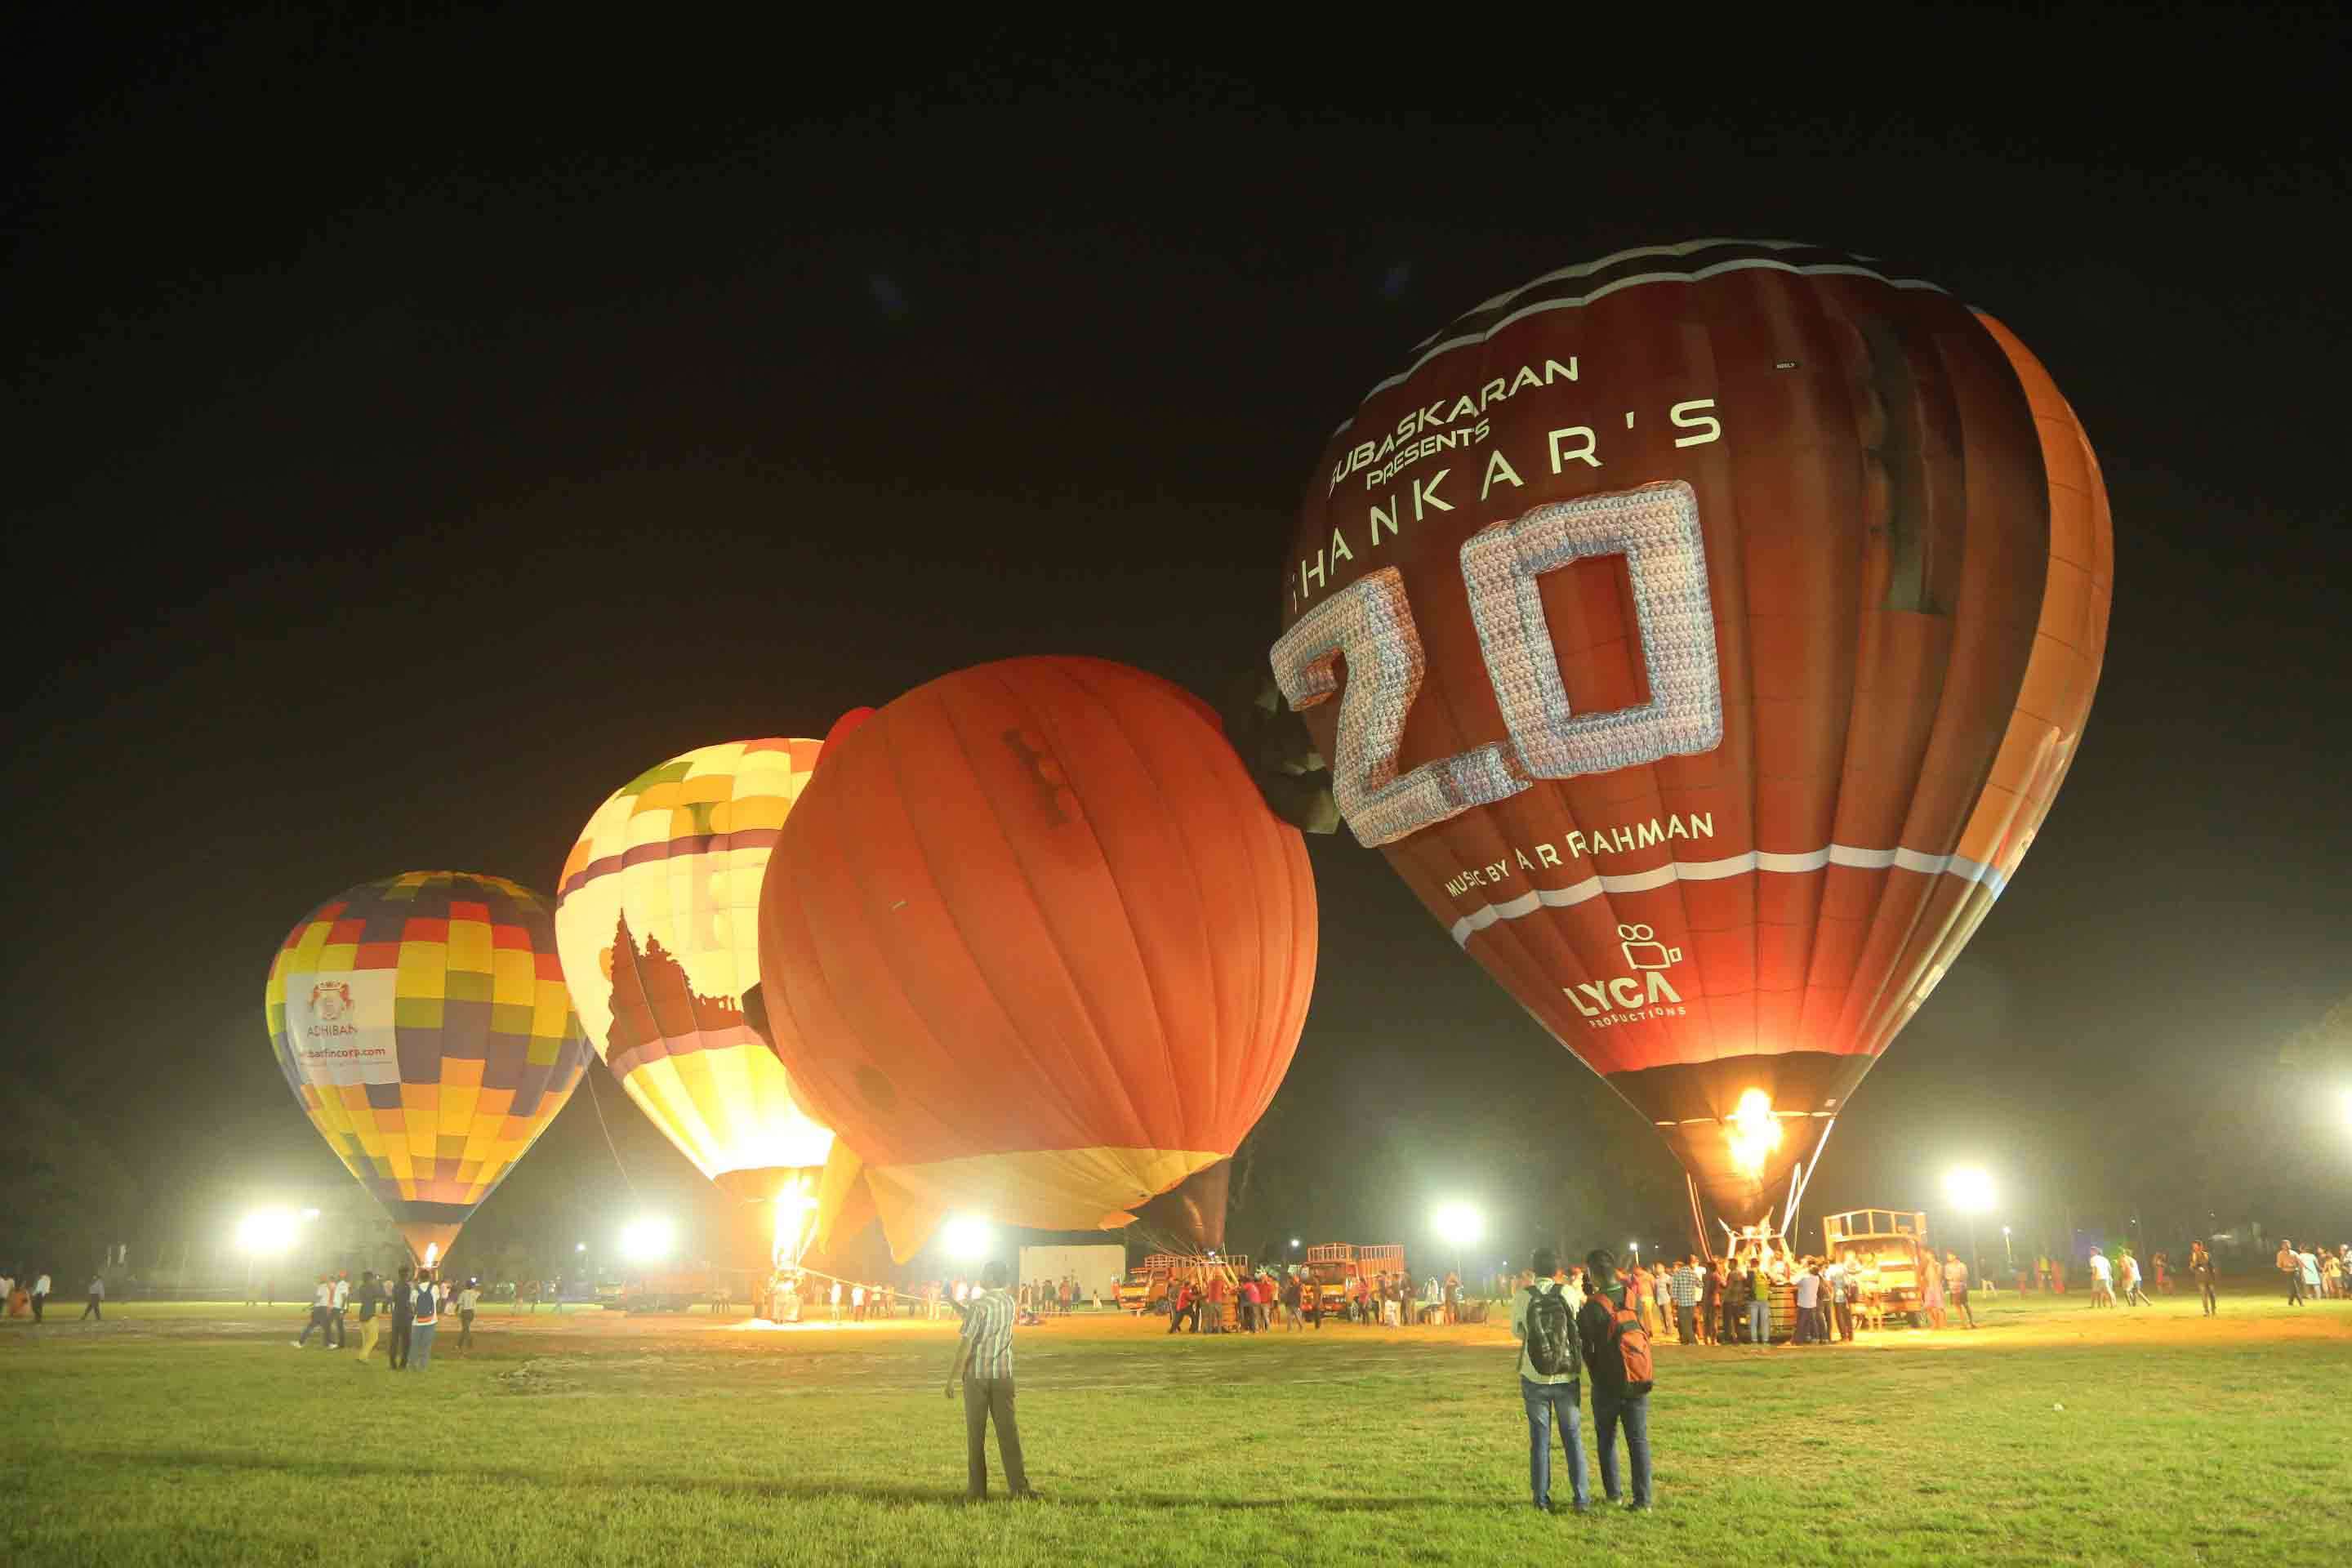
(187, 1435)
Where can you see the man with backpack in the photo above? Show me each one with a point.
(1545, 1325)
(1617, 1352)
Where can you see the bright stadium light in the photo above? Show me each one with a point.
(647, 1240)
(966, 1238)
(1460, 1226)
(1969, 1188)
(264, 1231)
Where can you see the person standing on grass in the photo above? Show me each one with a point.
(1685, 1286)
(40, 1293)
(1294, 1303)
(2292, 1267)
(1604, 1324)
(2200, 1268)
(2308, 1262)
(2102, 1279)
(337, 1304)
(92, 1308)
(1931, 1289)
(404, 1320)
(1809, 1304)
(427, 1323)
(1956, 1285)
(371, 1303)
(985, 1364)
(2133, 1295)
(469, 1300)
(1551, 1352)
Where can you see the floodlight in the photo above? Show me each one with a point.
(1459, 1225)
(1969, 1188)
(647, 1240)
(966, 1238)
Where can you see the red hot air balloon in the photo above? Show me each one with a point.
(1711, 627)
(1041, 949)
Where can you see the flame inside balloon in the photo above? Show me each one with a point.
(1753, 1130)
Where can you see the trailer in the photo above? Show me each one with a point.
(1888, 1255)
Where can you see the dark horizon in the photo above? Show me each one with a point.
(395, 482)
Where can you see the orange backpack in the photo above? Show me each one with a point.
(1633, 1342)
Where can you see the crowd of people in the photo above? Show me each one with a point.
(1213, 1299)
(30, 1297)
(414, 1303)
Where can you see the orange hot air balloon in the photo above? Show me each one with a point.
(1710, 627)
(1040, 949)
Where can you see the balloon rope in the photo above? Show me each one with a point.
(608, 1137)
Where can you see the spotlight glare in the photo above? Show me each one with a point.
(966, 1238)
(647, 1240)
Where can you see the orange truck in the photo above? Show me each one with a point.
(1332, 1266)
(1146, 1286)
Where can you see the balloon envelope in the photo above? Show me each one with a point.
(1710, 629)
(422, 1023)
(1034, 945)
(658, 918)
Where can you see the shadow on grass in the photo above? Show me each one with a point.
(808, 1491)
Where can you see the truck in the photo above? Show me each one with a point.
(1333, 1265)
(1890, 1248)
(1146, 1286)
(677, 1292)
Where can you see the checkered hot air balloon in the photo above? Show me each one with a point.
(422, 1023)
(657, 917)
(1703, 632)
(1033, 943)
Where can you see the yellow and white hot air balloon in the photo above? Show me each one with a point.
(657, 920)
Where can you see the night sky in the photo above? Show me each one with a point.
(418, 430)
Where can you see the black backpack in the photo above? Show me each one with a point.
(1551, 1332)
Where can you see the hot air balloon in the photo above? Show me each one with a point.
(1710, 627)
(1035, 947)
(422, 1022)
(657, 917)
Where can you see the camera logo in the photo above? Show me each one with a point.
(1644, 994)
(1643, 952)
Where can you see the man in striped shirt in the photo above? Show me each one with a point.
(984, 1362)
(1684, 1284)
